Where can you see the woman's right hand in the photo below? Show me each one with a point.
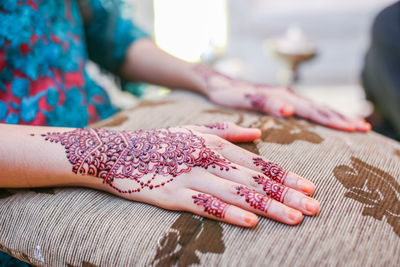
(190, 168)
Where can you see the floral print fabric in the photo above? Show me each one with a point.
(43, 51)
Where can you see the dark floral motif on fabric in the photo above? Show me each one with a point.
(377, 190)
(189, 237)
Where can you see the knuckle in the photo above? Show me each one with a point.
(213, 139)
(232, 189)
(253, 184)
(220, 143)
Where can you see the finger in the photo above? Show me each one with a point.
(332, 119)
(211, 207)
(246, 198)
(268, 207)
(361, 125)
(287, 196)
(279, 174)
(228, 131)
(260, 183)
(244, 158)
(325, 117)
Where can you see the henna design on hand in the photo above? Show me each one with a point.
(272, 189)
(256, 200)
(271, 170)
(217, 125)
(212, 205)
(257, 101)
(139, 156)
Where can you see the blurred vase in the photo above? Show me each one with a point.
(293, 48)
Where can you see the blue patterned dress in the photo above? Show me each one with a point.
(44, 45)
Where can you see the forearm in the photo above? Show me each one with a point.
(148, 63)
(28, 160)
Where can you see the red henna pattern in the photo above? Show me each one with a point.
(272, 189)
(217, 125)
(256, 200)
(212, 205)
(110, 155)
(257, 101)
(271, 170)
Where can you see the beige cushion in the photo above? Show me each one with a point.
(357, 178)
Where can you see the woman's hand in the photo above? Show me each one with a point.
(190, 168)
(146, 62)
(277, 101)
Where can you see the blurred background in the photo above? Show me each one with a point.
(316, 47)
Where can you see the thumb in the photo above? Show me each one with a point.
(228, 130)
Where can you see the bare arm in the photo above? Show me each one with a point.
(146, 62)
(28, 160)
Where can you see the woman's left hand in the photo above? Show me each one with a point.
(277, 101)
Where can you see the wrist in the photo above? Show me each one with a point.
(89, 182)
(201, 75)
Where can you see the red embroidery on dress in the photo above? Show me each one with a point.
(272, 189)
(257, 101)
(217, 125)
(271, 170)
(141, 156)
(212, 205)
(256, 200)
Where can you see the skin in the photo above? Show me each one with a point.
(146, 62)
(230, 194)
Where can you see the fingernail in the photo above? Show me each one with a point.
(343, 125)
(250, 219)
(367, 126)
(310, 205)
(351, 127)
(286, 110)
(294, 215)
(363, 125)
(305, 186)
(256, 130)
